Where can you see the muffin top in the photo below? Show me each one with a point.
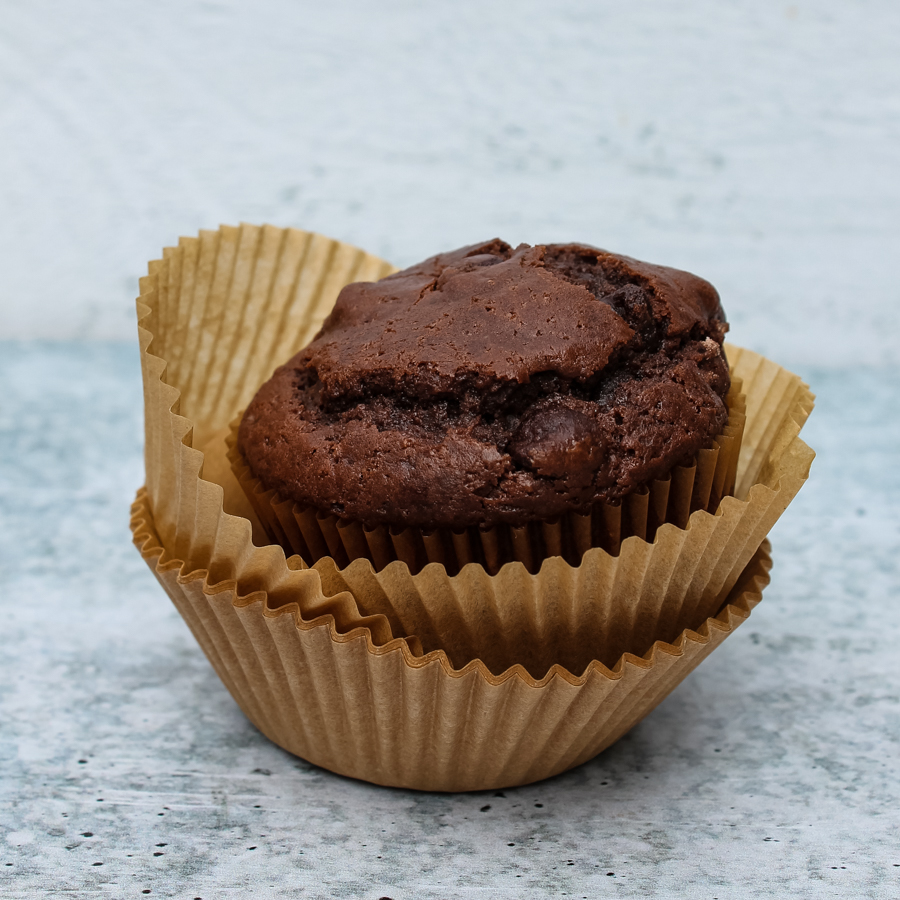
(494, 385)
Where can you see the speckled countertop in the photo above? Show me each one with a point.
(126, 769)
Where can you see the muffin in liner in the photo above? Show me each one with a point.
(217, 314)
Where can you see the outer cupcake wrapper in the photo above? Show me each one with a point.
(215, 317)
(378, 711)
(313, 536)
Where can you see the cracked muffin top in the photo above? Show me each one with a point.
(494, 385)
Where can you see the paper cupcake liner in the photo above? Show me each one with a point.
(312, 535)
(351, 698)
(228, 307)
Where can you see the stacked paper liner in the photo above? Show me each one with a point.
(430, 680)
(339, 692)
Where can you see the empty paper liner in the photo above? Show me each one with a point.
(313, 536)
(216, 316)
(351, 698)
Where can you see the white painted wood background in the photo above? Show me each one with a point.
(757, 144)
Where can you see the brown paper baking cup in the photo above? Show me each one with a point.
(216, 315)
(352, 699)
(312, 535)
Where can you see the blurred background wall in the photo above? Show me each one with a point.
(757, 144)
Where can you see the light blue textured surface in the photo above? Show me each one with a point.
(125, 767)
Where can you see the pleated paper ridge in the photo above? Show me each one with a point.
(292, 280)
(385, 715)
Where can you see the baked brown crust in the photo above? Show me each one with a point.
(494, 385)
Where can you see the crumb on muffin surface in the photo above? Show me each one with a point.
(494, 385)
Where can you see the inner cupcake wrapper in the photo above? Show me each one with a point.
(313, 535)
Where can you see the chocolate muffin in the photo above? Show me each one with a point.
(493, 385)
